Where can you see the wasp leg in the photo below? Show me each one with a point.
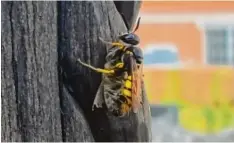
(105, 71)
(113, 44)
(105, 41)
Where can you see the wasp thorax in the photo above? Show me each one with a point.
(130, 38)
(137, 53)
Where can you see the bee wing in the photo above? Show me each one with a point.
(136, 85)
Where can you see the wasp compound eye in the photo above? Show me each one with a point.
(130, 38)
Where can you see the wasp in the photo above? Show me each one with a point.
(120, 88)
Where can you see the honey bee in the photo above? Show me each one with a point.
(120, 89)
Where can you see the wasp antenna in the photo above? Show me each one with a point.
(125, 21)
(138, 23)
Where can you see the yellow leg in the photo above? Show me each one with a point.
(118, 44)
(105, 71)
(119, 65)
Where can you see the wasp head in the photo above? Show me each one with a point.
(130, 38)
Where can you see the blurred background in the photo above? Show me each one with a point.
(189, 69)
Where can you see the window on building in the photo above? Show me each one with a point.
(219, 45)
(161, 54)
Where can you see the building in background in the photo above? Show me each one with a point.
(203, 32)
(189, 56)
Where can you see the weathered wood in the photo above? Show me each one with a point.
(30, 85)
(74, 125)
(41, 42)
(9, 124)
(81, 24)
(129, 9)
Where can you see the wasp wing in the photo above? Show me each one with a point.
(99, 98)
(136, 84)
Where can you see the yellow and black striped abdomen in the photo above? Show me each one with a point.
(127, 90)
(127, 95)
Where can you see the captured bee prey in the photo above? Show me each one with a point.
(120, 89)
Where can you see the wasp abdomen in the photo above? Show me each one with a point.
(127, 90)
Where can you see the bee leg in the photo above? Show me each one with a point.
(105, 71)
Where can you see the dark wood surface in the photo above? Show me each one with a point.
(46, 95)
